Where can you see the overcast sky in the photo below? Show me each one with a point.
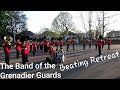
(39, 19)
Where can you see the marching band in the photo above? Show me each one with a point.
(50, 46)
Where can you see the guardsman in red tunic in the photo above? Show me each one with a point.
(67, 42)
(61, 43)
(51, 46)
(83, 42)
(52, 43)
(89, 43)
(109, 43)
(73, 42)
(28, 47)
(18, 48)
(41, 45)
(52, 52)
(103, 42)
(7, 45)
(99, 44)
(96, 44)
(34, 47)
(37, 45)
(46, 43)
(24, 52)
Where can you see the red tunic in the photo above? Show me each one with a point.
(67, 42)
(103, 41)
(83, 42)
(18, 45)
(7, 48)
(24, 49)
(34, 45)
(30, 43)
(56, 43)
(73, 41)
(46, 43)
(51, 50)
(95, 41)
(109, 42)
(41, 43)
(99, 43)
(52, 43)
(61, 42)
(28, 46)
(89, 42)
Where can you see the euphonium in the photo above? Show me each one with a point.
(9, 39)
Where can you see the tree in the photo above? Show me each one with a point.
(17, 22)
(63, 23)
(12, 22)
(104, 20)
(4, 21)
(87, 22)
(90, 24)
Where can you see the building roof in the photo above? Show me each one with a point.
(113, 32)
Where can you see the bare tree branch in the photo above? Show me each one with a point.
(63, 22)
(82, 18)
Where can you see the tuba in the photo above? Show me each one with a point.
(8, 39)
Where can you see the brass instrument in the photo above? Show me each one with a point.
(8, 39)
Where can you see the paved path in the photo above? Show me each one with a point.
(108, 69)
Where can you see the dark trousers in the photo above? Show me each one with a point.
(45, 49)
(89, 45)
(27, 58)
(99, 50)
(73, 47)
(37, 47)
(17, 53)
(34, 51)
(7, 57)
(109, 46)
(30, 47)
(41, 48)
(67, 47)
(24, 57)
(48, 48)
(102, 46)
(95, 46)
(83, 46)
(61, 46)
